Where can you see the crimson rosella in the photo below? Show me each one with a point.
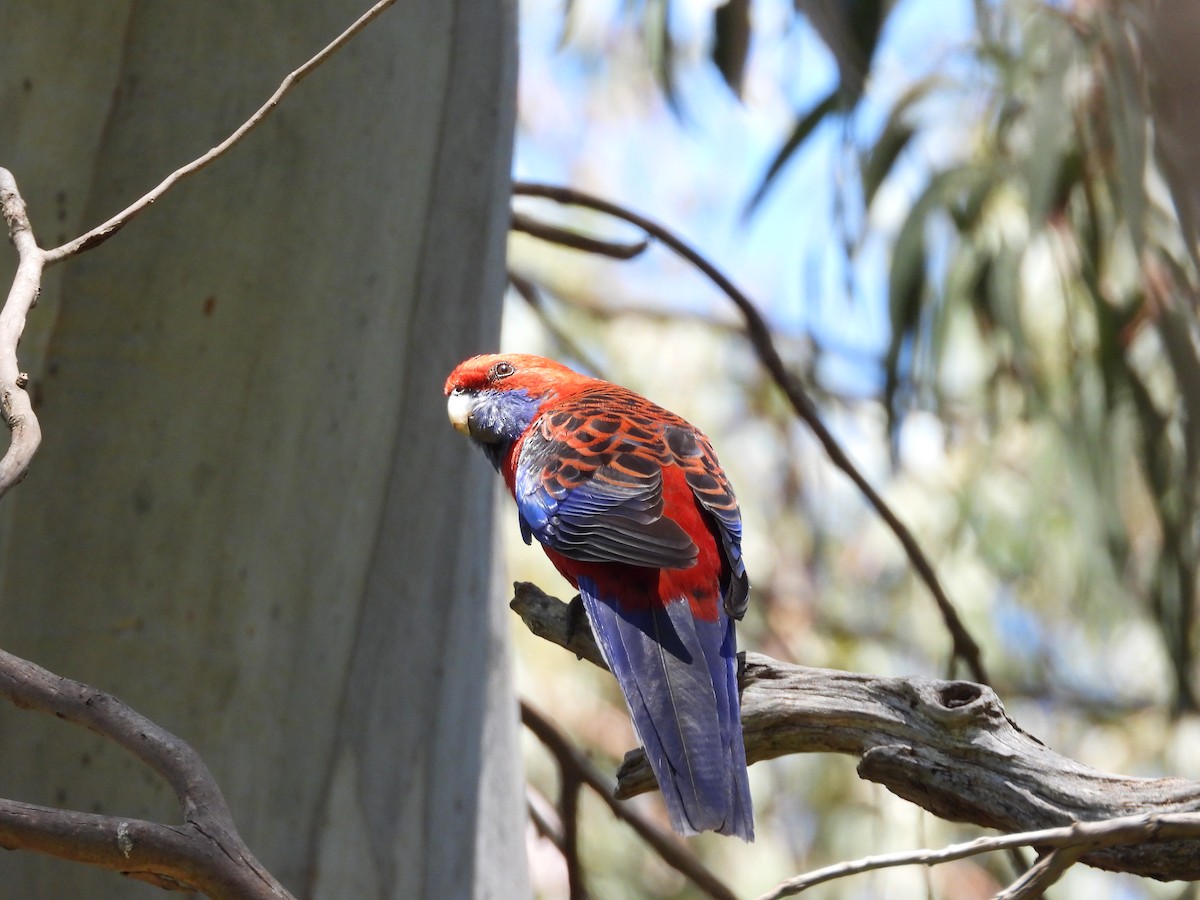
(630, 504)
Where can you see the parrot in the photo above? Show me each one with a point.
(631, 506)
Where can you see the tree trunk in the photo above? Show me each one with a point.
(249, 518)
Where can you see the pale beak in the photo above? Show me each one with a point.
(459, 407)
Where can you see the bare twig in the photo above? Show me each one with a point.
(103, 232)
(568, 807)
(1037, 878)
(528, 292)
(205, 854)
(947, 746)
(15, 407)
(965, 647)
(1072, 840)
(578, 769)
(565, 237)
(540, 814)
(570, 784)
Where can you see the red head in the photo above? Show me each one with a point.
(493, 398)
(507, 372)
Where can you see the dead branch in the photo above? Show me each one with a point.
(204, 854)
(105, 230)
(15, 407)
(1066, 846)
(965, 647)
(576, 770)
(565, 237)
(947, 746)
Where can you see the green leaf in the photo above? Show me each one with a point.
(731, 42)
(967, 210)
(906, 291)
(662, 51)
(893, 138)
(908, 287)
(1047, 166)
(1128, 123)
(879, 161)
(850, 29)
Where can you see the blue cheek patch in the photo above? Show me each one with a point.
(503, 416)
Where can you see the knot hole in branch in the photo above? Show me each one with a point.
(957, 694)
(960, 704)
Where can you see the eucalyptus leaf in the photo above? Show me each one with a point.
(731, 42)
(895, 135)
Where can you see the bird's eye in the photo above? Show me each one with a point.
(502, 370)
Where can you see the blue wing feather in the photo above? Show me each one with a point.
(610, 517)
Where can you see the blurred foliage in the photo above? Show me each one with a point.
(1063, 254)
(1037, 420)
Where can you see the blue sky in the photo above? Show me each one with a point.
(586, 121)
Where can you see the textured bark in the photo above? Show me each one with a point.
(248, 517)
(947, 746)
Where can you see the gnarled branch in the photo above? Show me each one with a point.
(15, 408)
(948, 746)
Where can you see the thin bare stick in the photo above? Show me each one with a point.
(1037, 878)
(103, 232)
(965, 647)
(528, 292)
(538, 808)
(1077, 838)
(579, 769)
(565, 237)
(15, 408)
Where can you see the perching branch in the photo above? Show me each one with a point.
(203, 854)
(947, 746)
(965, 647)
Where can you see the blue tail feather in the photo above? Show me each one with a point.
(679, 678)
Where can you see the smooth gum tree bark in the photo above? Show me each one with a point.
(249, 518)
